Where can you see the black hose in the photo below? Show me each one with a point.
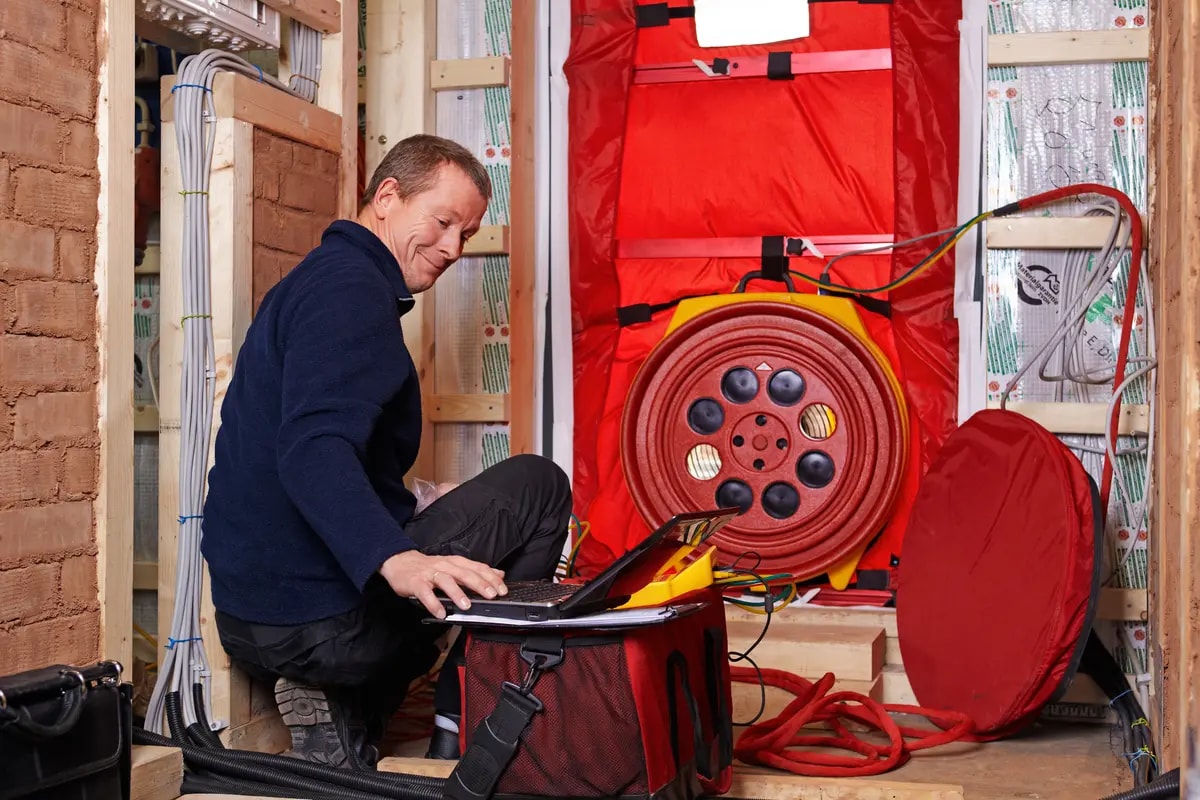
(175, 719)
(283, 771)
(1099, 663)
(210, 737)
(1164, 787)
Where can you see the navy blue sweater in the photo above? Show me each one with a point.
(320, 424)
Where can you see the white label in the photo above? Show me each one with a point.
(727, 23)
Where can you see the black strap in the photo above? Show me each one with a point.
(494, 741)
(656, 15)
(716, 650)
(644, 312)
(774, 260)
(779, 67)
(677, 673)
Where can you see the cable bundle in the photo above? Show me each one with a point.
(305, 58)
(186, 663)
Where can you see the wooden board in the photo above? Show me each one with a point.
(322, 15)
(113, 507)
(754, 783)
(156, 773)
(851, 653)
(1174, 165)
(1049, 233)
(1068, 47)
(469, 73)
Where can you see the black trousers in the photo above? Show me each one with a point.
(512, 516)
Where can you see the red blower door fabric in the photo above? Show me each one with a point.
(859, 142)
(999, 577)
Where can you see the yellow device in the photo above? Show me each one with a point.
(668, 584)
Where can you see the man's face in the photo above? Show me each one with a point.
(427, 231)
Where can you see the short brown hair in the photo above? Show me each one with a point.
(414, 163)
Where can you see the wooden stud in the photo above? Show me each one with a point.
(1174, 252)
(469, 408)
(322, 15)
(469, 73)
(338, 93)
(113, 507)
(1081, 418)
(524, 358)
(402, 41)
(1049, 233)
(1068, 47)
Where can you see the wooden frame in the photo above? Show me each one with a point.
(113, 507)
(1047, 233)
(1068, 47)
(242, 105)
(401, 40)
(1174, 253)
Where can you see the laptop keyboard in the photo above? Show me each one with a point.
(534, 591)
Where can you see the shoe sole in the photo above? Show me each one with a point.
(306, 714)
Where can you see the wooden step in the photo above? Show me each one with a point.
(853, 653)
(755, 783)
(824, 615)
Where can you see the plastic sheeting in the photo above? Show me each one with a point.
(861, 153)
(1048, 126)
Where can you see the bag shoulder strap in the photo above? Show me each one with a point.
(494, 742)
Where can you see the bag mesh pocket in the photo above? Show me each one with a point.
(587, 741)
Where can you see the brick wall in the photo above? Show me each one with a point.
(49, 610)
(295, 199)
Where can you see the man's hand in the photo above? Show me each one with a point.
(414, 574)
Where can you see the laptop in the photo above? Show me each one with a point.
(538, 601)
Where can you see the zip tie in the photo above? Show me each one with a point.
(194, 316)
(190, 86)
(186, 192)
(1142, 752)
(260, 73)
(172, 642)
(1140, 721)
(1112, 702)
(313, 81)
(186, 517)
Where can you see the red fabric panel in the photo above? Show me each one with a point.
(704, 159)
(925, 58)
(869, 152)
(599, 71)
(1003, 530)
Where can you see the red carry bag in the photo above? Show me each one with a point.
(586, 712)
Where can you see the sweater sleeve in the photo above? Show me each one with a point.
(343, 359)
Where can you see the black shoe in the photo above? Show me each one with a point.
(444, 743)
(321, 731)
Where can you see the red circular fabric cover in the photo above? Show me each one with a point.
(994, 592)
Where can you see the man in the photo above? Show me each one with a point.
(321, 572)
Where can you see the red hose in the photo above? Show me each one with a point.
(1135, 221)
(770, 742)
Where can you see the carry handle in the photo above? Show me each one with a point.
(23, 723)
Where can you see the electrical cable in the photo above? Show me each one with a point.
(186, 662)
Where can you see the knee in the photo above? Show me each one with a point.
(541, 471)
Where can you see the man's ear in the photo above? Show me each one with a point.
(386, 196)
